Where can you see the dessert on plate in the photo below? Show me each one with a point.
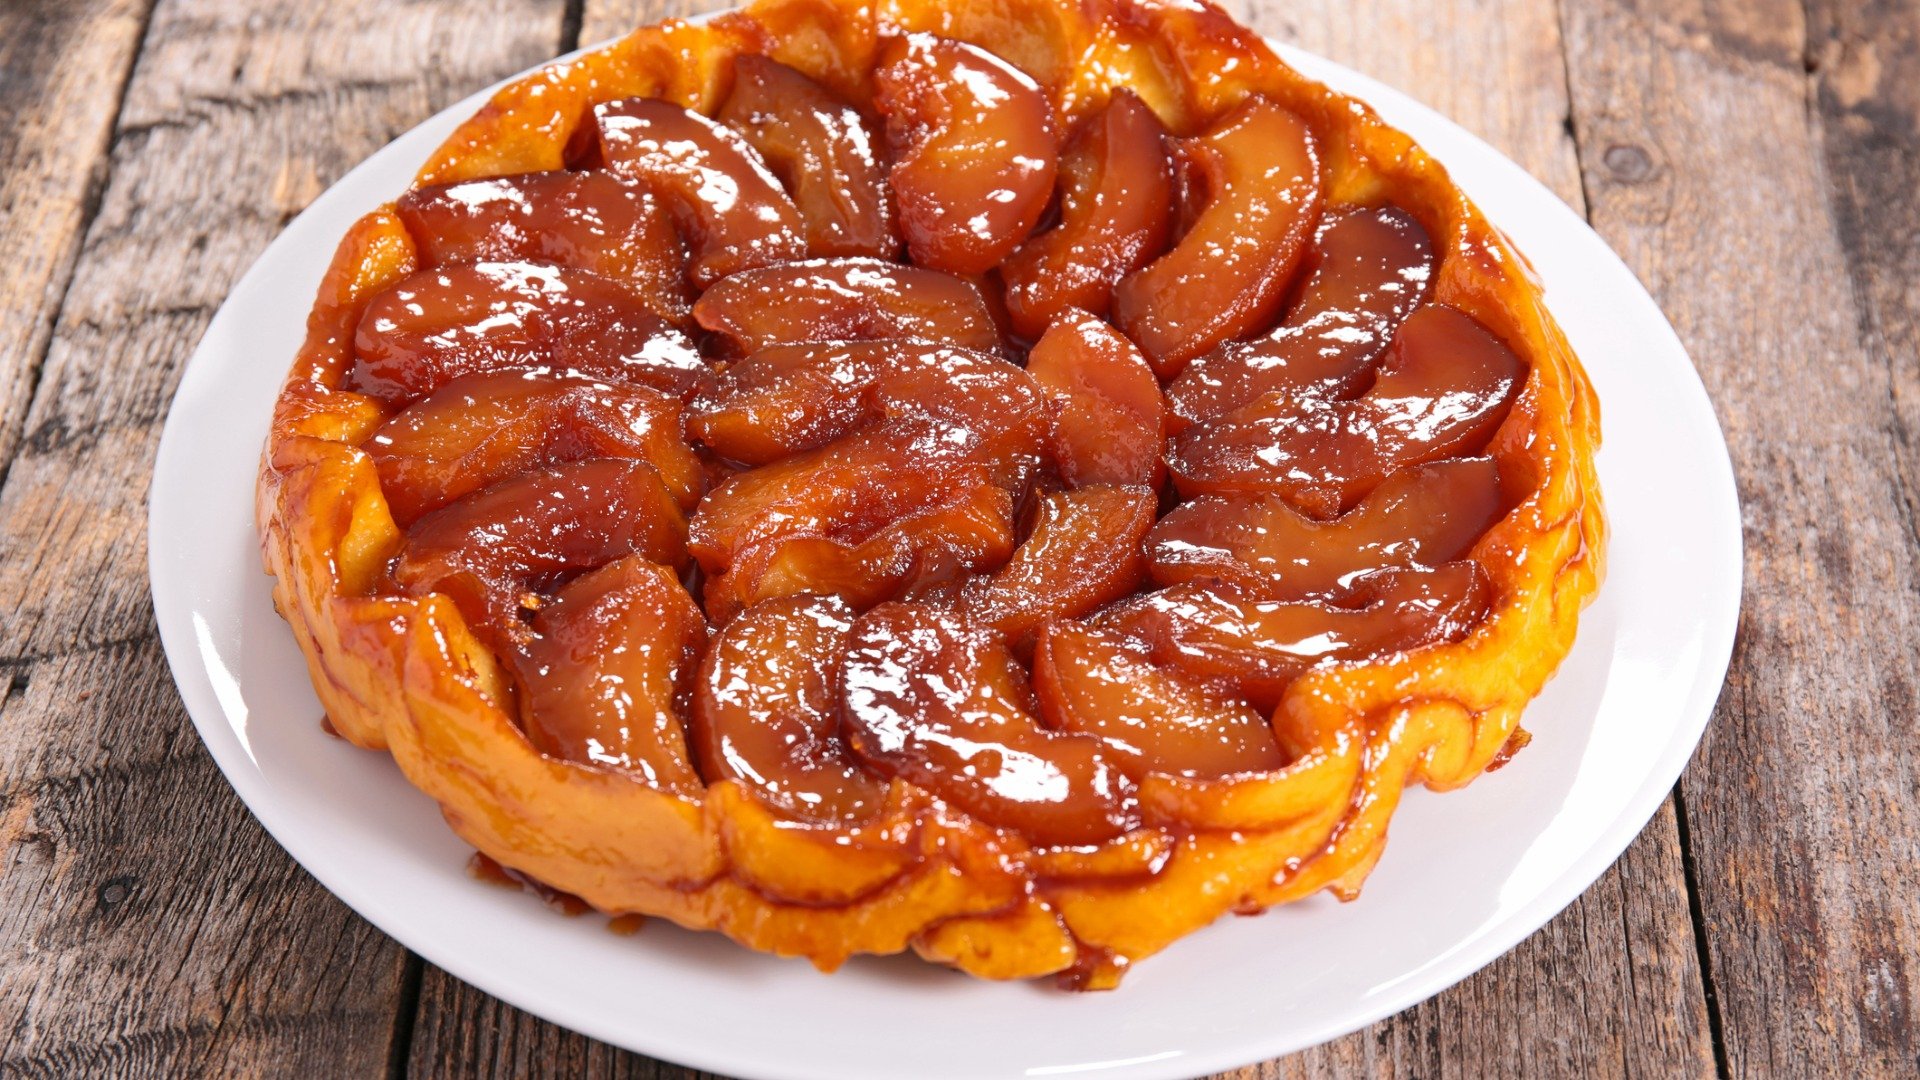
(1013, 481)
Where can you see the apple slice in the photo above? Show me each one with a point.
(1423, 515)
(941, 704)
(1116, 215)
(1371, 270)
(957, 534)
(1442, 391)
(587, 220)
(608, 659)
(821, 148)
(847, 300)
(481, 429)
(1152, 719)
(1111, 427)
(439, 325)
(491, 549)
(973, 148)
(1084, 551)
(1213, 633)
(1228, 274)
(847, 490)
(732, 212)
(788, 399)
(766, 712)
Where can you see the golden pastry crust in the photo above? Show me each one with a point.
(408, 676)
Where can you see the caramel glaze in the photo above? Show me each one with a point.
(891, 520)
(484, 868)
(868, 438)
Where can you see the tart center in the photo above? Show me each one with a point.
(821, 443)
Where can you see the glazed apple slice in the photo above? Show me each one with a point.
(439, 325)
(1214, 633)
(1111, 424)
(847, 490)
(1151, 719)
(1371, 271)
(732, 212)
(609, 657)
(973, 150)
(821, 148)
(955, 535)
(1424, 515)
(1228, 274)
(1443, 389)
(788, 399)
(587, 220)
(1116, 215)
(943, 705)
(481, 429)
(847, 300)
(493, 548)
(766, 711)
(1084, 551)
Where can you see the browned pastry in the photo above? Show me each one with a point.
(1014, 481)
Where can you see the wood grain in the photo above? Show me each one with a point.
(1755, 162)
(1760, 180)
(147, 925)
(62, 70)
(604, 20)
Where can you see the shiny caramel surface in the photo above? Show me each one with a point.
(1260, 171)
(591, 221)
(481, 429)
(893, 508)
(1423, 515)
(1372, 269)
(960, 488)
(1116, 215)
(1152, 717)
(766, 710)
(973, 150)
(827, 154)
(487, 316)
(1259, 646)
(608, 664)
(732, 211)
(931, 698)
(1441, 393)
(1111, 419)
(847, 299)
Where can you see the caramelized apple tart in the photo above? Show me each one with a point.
(1014, 481)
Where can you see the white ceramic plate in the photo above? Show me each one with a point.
(1467, 874)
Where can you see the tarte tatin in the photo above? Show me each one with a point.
(1011, 480)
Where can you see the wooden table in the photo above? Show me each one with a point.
(1755, 161)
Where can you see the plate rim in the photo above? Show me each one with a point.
(1663, 767)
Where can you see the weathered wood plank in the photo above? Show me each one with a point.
(1761, 183)
(62, 70)
(1865, 62)
(147, 925)
(604, 20)
(1613, 984)
(461, 1031)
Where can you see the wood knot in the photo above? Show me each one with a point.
(1629, 164)
(113, 893)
